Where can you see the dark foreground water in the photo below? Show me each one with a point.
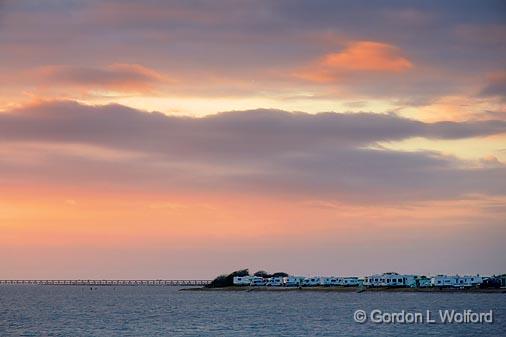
(164, 311)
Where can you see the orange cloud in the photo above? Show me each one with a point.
(361, 56)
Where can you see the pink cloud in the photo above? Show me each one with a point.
(360, 56)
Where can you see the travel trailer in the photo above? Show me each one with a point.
(274, 282)
(329, 281)
(242, 280)
(339, 281)
(444, 281)
(410, 281)
(311, 281)
(349, 281)
(258, 281)
(456, 281)
(423, 282)
(293, 281)
(470, 281)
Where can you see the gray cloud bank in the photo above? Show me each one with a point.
(259, 151)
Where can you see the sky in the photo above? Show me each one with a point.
(186, 139)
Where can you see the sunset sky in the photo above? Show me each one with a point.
(184, 139)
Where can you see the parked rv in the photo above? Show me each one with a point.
(329, 281)
(349, 281)
(242, 280)
(423, 282)
(258, 281)
(410, 281)
(311, 282)
(293, 281)
(456, 281)
(274, 282)
(491, 282)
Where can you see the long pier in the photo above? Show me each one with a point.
(93, 283)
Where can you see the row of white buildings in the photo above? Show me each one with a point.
(379, 280)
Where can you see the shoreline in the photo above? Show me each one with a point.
(347, 289)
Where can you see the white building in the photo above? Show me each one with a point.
(390, 280)
(373, 280)
(242, 280)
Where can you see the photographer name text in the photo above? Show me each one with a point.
(446, 316)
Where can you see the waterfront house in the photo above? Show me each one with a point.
(382, 280)
(373, 280)
(242, 280)
(390, 280)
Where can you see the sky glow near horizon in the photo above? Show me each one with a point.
(164, 139)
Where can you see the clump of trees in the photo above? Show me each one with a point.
(264, 274)
(228, 280)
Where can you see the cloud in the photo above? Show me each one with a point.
(253, 49)
(248, 132)
(360, 56)
(496, 86)
(116, 77)
(319, 156)
(491, 162)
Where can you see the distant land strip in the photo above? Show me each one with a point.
(108, 282)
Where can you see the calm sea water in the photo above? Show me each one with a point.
(164, 311)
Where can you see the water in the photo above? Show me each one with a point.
(164, 311)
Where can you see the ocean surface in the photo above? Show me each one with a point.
(164, 311)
